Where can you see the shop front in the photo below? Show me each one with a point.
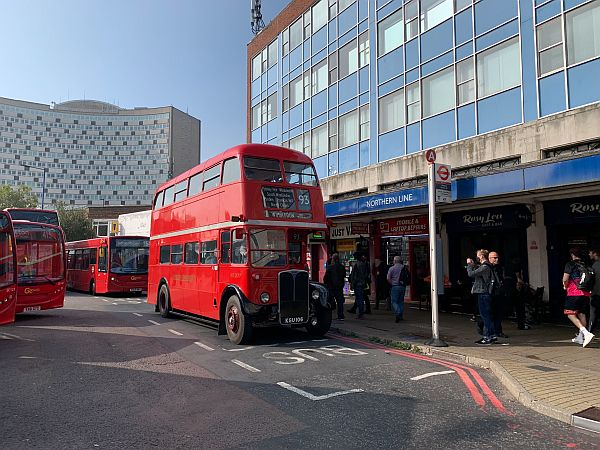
(346, 238)
(573, 222)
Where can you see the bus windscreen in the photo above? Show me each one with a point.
(129, 256)
(39, 254)
(38, 216)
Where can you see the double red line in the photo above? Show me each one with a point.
(479, 389)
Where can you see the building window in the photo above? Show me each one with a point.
(434, 12)
(438, 92)
(364, 123)
(272, 107)
(272, 54)
(332, 9)
(307, 27)
(391, 111)
(285, 42)
(306, 149)
(465, 81)
(319, 15)
(256, 66)
(296, 143)
(263, 115)
(348, 55)
(319, 141)
(285, 102)
(295, 92)
(264, 60)
(461, 4)
(307, 85)
(413, 103)
(343, 4)
(389, 33)
(411, 19)
(363, 49)
(296, 34)
(319, 77)
(348, 129)
(256, 116)
(550, 49)
(498, 68)
(583, 33)
(333, 137)
(333, 68)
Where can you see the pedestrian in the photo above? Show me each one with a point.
(359, 279)
(576, 300)
(382, 287)
(595, 299)
(398, 277)
(368, 286)
(482, 276)
(334, 279)
(498, 293)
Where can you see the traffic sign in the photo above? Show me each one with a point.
(430, 156)
(442, 173)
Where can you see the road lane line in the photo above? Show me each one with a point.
(236, 349)
(138, 314)
(153, 322)
(176, 333)
(245, 366)
(204, 346)
(115, 304)
(313, 397)
(27, 357)
(431, 374)
(104, 300)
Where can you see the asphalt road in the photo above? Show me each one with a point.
(108, 372)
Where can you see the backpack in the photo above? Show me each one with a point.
(587, 279)
(405, 276)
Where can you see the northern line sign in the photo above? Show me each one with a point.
(378, 202)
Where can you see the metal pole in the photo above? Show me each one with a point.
(435, 340)
(43, 188)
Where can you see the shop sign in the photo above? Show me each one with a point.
(583, 209)
(404, 226)
(345, 245)
(379, 202)
(348, 230)
(517, 216)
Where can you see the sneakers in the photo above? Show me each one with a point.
(340, 319)
(484, 341)
(578, 339)
(399, 318)
(502, 335)
(587, 338)
(493, 339)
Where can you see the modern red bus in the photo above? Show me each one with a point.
(108, 265)
(41, 266)
(228, 242)
(8, 270)
(34, 215)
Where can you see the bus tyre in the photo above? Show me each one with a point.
(323, 317)
(93, 288)
(164, 302)
(237, 323)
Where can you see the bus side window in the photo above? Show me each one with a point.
(225, 247)
(209, 252)
(240, 249)
(102, 259)
(191, 253)
(176, 254)
(231, 171)
(165, 254)
(93, 256)
(79, 259)
(71, 259)
(85, 263)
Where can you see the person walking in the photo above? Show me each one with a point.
(359, 279)
(482, 276)
(398, 277)
(595, 299)
(498, 293)
(334, 279)
(576, 300)
(382, 287)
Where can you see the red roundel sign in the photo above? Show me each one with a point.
(443, 174)
(430, 156)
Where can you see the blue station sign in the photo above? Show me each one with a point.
(378, 202)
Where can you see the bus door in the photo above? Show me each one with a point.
(208, 274)
(101, 276)
(8, 271)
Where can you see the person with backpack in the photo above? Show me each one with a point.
(482, 276)
(577, 299)
(595, 299)
(398, 277)
(334, 279)
(359, 279)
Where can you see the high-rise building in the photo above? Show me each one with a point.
(506, 92)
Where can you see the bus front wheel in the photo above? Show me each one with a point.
(237, 323)
(320, 323)
(164, 303)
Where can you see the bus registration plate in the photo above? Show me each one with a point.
(32, 308)
(135, 290)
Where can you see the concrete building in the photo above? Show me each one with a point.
(506, 92)
(93, 153)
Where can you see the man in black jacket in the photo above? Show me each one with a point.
(334, 279)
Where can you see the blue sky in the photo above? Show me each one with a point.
(187, 53)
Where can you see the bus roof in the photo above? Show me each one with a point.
(257, 150)
(93, 242)
(48, 216)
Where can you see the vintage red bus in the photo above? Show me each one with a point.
(41, 266)
(108, 265)
(8, 270)
(34, 215)
(228, 242)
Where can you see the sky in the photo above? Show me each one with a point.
(190, 54)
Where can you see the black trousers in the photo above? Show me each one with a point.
(594, 313)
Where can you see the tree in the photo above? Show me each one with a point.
(75, 222)
(19, 197)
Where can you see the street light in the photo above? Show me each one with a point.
(43, 169)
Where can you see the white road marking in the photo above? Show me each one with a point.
(204, 346)
(104, 300)
(115, 303)
(315, 398)
(319, 340)
(153, 322)
(14, 336)
(245, 366)
(138, 314)
(134, 302)
(177, 333)
(431, 374)
(236, 349)
(3, 336)
(297, 342)
(27, 357)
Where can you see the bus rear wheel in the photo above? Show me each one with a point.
(320, 323)
(237, 323)
(164, 302)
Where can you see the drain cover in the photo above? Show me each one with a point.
(543, 368)
(588, 419)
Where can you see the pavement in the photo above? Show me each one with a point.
(541, 367)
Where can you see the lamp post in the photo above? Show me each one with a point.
(43, 169)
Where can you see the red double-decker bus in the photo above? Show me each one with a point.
(34, 215)
(108, 265)
(228, 242)
(8, 270)
(41, 266)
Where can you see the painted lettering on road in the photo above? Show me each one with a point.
(299, 356)
(313, 397)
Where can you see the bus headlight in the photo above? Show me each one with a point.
(264, 297)
(315, 295)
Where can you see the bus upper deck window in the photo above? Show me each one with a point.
(261, 169)
(300, 173)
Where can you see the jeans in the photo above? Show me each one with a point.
(485, 311)
(398, 299)
(498, 302)
(337, 294)
(594, 313)
(359, 294)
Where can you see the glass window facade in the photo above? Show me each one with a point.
(400, 76)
